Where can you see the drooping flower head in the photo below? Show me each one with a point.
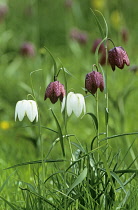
(75, 103)
(3, 11)
(68, 4)
(79, 36)
(27, 49)
(26, 107)
(54, 91)
(118, 57)
(93, 81)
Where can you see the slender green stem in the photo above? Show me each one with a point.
(97, 114)
(106, 120)
(107, 106)
(39, 127)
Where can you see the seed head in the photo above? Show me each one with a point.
(54, 91)
(118, 57)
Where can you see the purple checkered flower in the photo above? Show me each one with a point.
(118, 57)
(54, 91)
(93, 81)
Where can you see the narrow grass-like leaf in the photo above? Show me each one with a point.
(54, 62)
(78, 146)
(124, 201)
(79, 179)
(98, 24)
(119, 135)
(41, 197)
(119, 181)
(126, 171)
(58, 172)
(132, 162)
(65, 70)
(106, 26)
(6, 181)
(30, 186)
(95, 137)
(127, 152)
(85, 155)
(94, 119)
(42, 126)
(34, 162)
(130, 179)
(9, 204)
(59, 132)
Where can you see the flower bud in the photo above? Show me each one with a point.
(54, 91)
(118, 57)
(93, 81)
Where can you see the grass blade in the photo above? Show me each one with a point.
(118, 180)
(6, 181)
(41, 197)
(119, 135)
(99, 25)
(79, 179)
(60, 133)
(55, 65)
(9, 204)
(94, 119)
(34, 162)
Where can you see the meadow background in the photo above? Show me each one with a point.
(48, 23)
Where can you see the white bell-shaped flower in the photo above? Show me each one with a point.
(26, 107)
(75, 103)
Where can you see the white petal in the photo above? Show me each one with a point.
(69, 103)
(20, 110)
(77, 107)
(83, 103)
(35, 110)
(63, 104)
(32, 111)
